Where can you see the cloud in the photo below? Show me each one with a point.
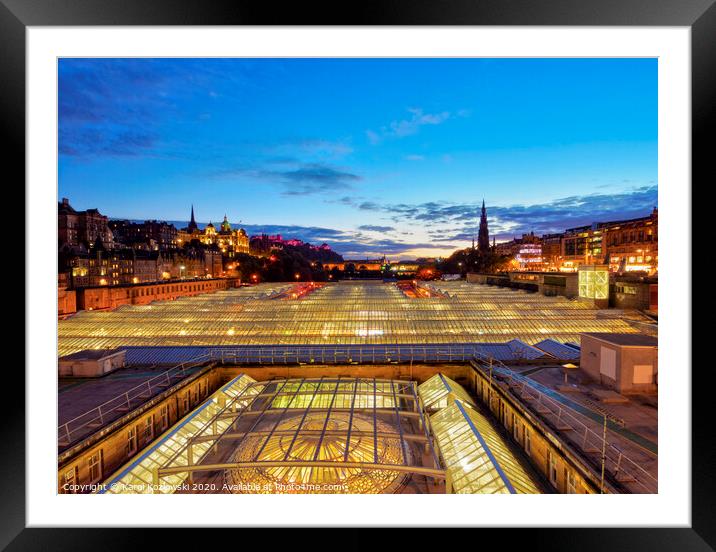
(296, 178)
(376, 228)
(414, 157)
(118, 107)
(458, 222)
(407, 127)
(91, 142)
(348, 243)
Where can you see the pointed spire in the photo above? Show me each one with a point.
(483, 235)
(192, 223)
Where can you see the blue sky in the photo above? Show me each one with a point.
(373, 156)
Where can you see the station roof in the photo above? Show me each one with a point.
(435, 392)
(345, 313)
(475, 455)
(136, 476)
(558, 350)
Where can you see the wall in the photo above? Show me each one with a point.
(91, 368)
(627, 294)
(594, 357)
(112, 447)
(531, 435)
(66, 302)
(416, 372)
(114, 296)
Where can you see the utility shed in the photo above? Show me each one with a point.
(91, 363)
(627, 363)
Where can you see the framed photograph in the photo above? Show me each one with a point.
(306, 266)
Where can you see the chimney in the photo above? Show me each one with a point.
(65, 202)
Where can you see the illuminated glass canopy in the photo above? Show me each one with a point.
(476, 457)
(136, 477)
(436, 391)
(328, 435)
(338, 313)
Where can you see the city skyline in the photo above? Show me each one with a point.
(373, 157)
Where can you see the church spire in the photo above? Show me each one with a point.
(192, 223)
(483, 235)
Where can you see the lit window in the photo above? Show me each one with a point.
(131, 446)
(69, 481)
(552, 468)
(148, 431)
(95, 467)
(164, 416)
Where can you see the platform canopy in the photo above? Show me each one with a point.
(437, 390)
(475, 455)
(345, 313)
(136, 476)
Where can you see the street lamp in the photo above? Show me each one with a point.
(297, 275)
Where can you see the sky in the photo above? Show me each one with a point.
(372, 156)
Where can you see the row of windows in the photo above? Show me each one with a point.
(522, 436)
(136, 436)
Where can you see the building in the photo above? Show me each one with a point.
(350, 387)
(82, 228)
(264, 244)
(228, 241)
(625, 246)
(150, 235)
(102, 267)
(552, 251)
(66, 298)
(582, 245)
(91, 364)
(629, 291)
(391, 428)
(358, 265)
(632, 245)
(102, 298)
(627, 363)
(357, 312)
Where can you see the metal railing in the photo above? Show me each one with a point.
(574, 425)
(346, 354)
(571, 423)
(109, 410)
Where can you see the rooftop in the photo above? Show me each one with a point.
(92, 354)
(340, 313)
(335, 435)
(86, 405)
(626, 340)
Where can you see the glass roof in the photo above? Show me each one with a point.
(337, 313)
(136, 476)
(436, 391)
(476, 457)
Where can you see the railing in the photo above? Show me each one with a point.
(571, 424)
(346, 354)
(107, 411)
(567, 420)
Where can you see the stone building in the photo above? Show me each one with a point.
(230, 242)
(76, 228)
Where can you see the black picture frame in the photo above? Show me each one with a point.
(699, 15)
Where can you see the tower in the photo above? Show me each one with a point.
(192, 223)
(483, 236)
(225, 226)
